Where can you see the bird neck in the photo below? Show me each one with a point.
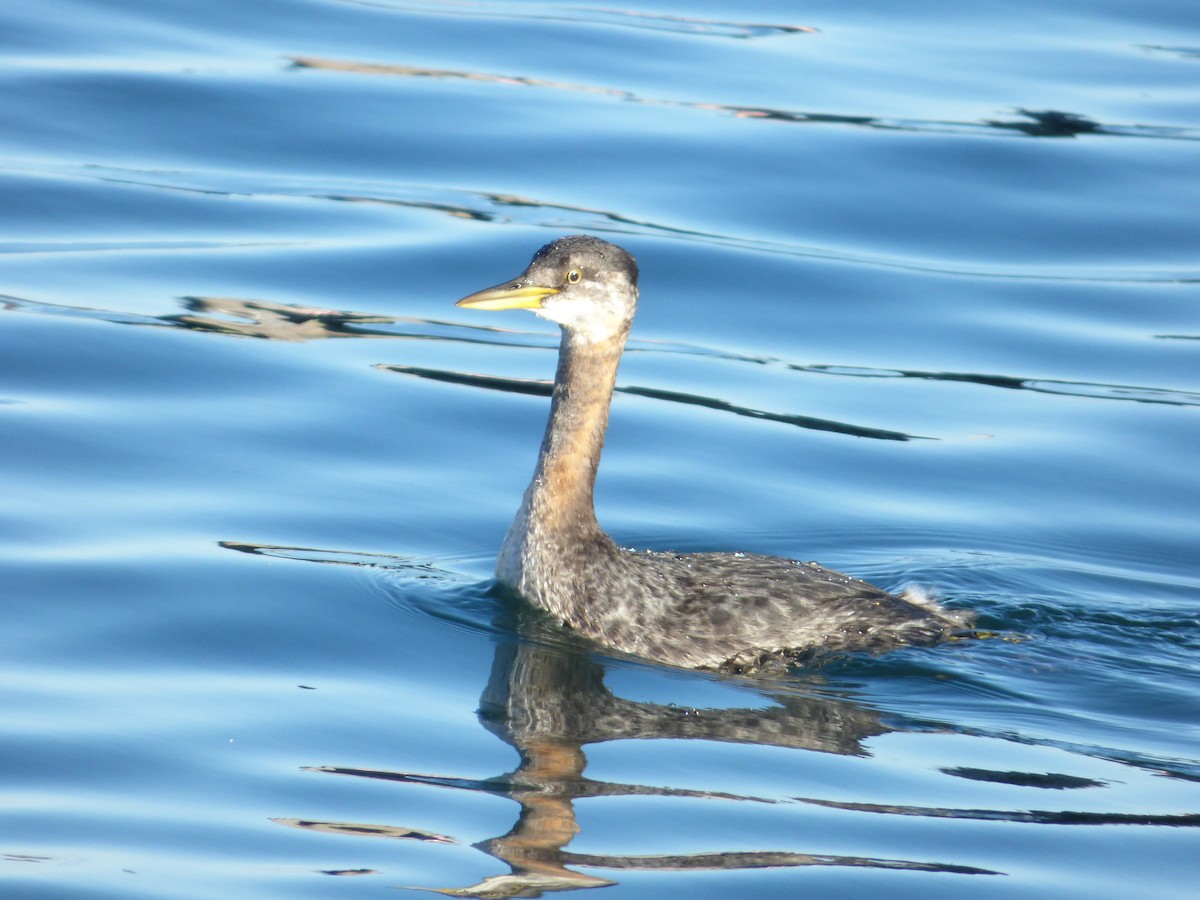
(559, 499)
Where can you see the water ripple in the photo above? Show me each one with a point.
(510, 209)
(243, 317)
(1043, 123)
(620, 18)
(1033, 816)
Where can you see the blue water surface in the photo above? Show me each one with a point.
(920, 299)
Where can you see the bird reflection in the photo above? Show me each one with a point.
(546, 697)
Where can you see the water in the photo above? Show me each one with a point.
(919, 300)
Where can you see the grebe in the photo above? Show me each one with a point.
(733, 611)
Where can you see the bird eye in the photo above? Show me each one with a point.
(574, 276)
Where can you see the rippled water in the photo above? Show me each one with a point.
(919, 299)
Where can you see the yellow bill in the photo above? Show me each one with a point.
(510, 295)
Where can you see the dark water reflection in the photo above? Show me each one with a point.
(515, 209)
(265, 319)
(1030, 123)
(547, 698)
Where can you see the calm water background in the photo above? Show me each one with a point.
(919, 299)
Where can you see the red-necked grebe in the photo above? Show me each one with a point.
(707, 610)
